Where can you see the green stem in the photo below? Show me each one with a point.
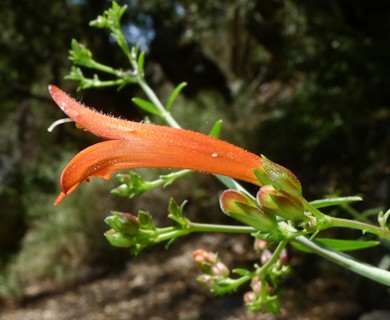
(173, 232)
(326, 222)
(235, 283)
(166, 115)
(101, 67)
(314, 211)
(264, 269)
(332, 222)
(169, 178)
(94, 83)
(366, 270)
(207, 227)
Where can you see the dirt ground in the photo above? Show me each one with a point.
(160, 285)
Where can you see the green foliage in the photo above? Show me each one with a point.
(308, 82)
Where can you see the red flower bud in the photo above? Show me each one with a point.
(278, 176)
(240, 207)
(281, 203)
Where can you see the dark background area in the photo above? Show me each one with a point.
(304, 82)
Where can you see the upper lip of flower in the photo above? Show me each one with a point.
(138, 145)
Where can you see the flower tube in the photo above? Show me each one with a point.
(138, 145)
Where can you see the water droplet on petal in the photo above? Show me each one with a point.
(214, 155)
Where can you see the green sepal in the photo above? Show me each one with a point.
(278, 176)
(132, 184)
(109, 17)
(80, 55)
(175, 213)
(122, 222)
(117, 239)
(145, 219)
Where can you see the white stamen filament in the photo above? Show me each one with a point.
(58, 122)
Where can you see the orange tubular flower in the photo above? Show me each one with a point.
(137, 145)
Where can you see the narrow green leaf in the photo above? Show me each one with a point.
(300, 247)
(241, 272)
(322, 203)
(174, 94)
(216, 129)
(339, 244)
(141, 60)
(147, 106)
(346, 245)
(347, 262)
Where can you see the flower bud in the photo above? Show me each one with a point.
(220, 270)
(256, 285)
(204, 259)
(206, 280)
(265, 256)
(284, 257)
(210, 264)
(242, 208)
(278, 176)
(259, 245)
(281, 203)
(123, 222)
(249, 297)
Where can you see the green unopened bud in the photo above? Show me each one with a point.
(132, 184)
(117, 239)
(99, 22)
(278, 176)
(281, 203)
(123, 222)
(240, 207)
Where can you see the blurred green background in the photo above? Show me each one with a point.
(304, 82)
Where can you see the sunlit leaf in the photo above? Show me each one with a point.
(322, 203)
(216, 129)
(141, 60)
(147, 106)
(174, 94)
(340, 244)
